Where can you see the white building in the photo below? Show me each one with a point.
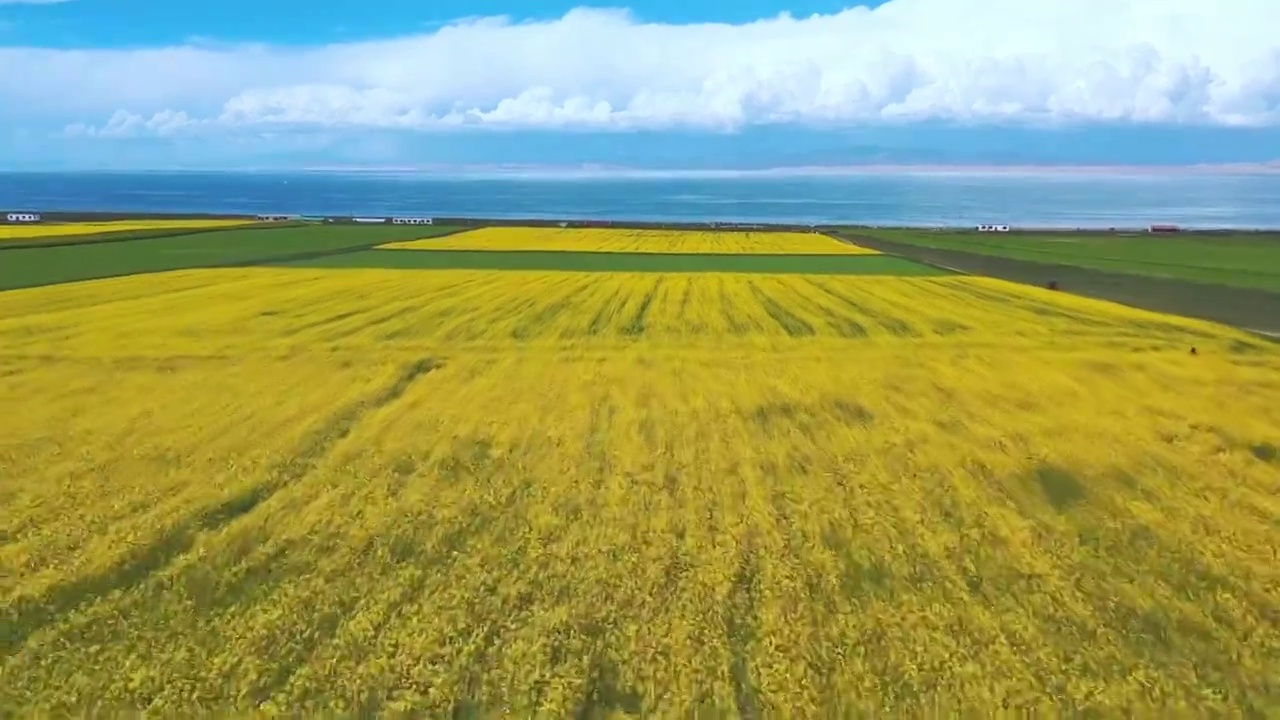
(21, 217)
(993, 228)
(369, 220)
(412, 221)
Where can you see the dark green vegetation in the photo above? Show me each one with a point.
(1248, 308)
(1245, 260)
(35, 266)
(620, 262)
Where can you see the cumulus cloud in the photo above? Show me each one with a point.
(126, 124)
(1166, 61)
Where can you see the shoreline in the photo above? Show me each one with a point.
(55, 216)
(517, 171)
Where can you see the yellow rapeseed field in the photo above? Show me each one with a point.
(628, 240)
(48, 230)
(562, 494)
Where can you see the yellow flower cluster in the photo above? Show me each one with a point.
(624, 240)
(619, 494)
(49, 230)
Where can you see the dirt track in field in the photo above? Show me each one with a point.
(1254, 310)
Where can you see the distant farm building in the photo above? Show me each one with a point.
(274, 218)
(369, 220)
(993, 228)
(22, 217)
(412, 221)
(1165, 228)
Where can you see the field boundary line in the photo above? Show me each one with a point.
(310, 255)
(294, 257)
(871, 264)
(606, 253)
(900, 256)
(317, 254)
(127, 236)
(256, 262)
(200, 266)
(1249, 310)
(1058, 255)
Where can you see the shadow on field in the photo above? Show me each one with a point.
(1061, 488)
(606, 696)
(1255, 310)
(1265, 452)
(30, 615)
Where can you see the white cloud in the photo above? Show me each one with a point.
(32, 2)
(1174, 61)
(126, 124)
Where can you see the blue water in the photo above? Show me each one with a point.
(1043, 199)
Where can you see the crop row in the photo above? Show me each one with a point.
(625, 262)
(212, 311)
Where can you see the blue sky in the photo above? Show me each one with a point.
(115, 23)
(657, 83)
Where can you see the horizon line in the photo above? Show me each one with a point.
(596, 170)
(533, 170)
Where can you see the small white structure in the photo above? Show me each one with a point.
(22, 217)
(993, 228)
(412, 221)
(369, 220)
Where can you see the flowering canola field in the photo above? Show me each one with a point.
(517, 493)
(628, 240)
(50, 230)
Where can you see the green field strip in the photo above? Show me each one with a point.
(37, 266)
(622, 262)
(1243, 260)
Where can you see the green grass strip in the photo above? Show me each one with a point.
(621, 262)
(1246, 260)
(37, 266)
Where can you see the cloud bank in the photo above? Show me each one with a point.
(979, 61)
